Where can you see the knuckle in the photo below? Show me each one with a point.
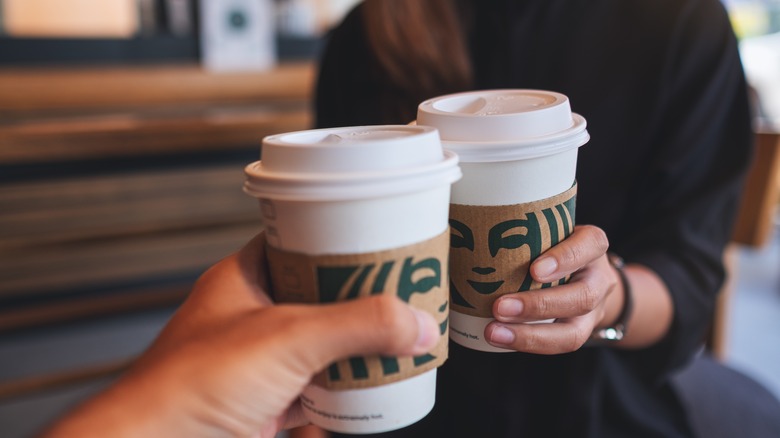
(589, 297)
(531, 342)
(570, 254)
(287, 320)
(574, 340)
(598, 237)
(611, 278)
(540, 305)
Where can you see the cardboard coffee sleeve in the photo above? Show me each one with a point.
(417, 274)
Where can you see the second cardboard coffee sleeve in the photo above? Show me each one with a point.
(492, 248)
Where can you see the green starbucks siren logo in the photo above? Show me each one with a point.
(337, 283)
(491, 248)
(416, 273)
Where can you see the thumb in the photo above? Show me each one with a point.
(380, 324)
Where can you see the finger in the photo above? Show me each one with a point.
(231, 287)
(585, 292)
(252, 261)
(294, 417)
(235, 284)
(559, 337)
(585, 244)
(376, 325)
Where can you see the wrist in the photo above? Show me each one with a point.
(130, 407)
(615, 300)
(619, 306)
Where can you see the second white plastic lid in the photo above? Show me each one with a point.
(496, 115)
(500, 125)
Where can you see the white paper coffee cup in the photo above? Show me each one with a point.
(515, 147)
(349, 191)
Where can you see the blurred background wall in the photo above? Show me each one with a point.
(124, 129)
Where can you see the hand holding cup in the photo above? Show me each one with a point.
(232, 363)
(578, 307)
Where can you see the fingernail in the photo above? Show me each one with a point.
(510, 307)
(501, 335)
(427, 331)
(545, 266)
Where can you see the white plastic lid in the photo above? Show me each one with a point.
(350, 163)
(500, 125)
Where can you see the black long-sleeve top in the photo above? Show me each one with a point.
(661, 86)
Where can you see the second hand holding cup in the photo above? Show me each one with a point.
(518, 154)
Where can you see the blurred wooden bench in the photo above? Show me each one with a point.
(754, 224)
(760, 196)
(143, 226)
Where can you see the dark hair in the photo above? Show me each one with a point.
(420, 48)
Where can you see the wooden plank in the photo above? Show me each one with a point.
(36, 89)
(104, 304)
(122, 136)
(36, 213)
(23, 387)
(754, 223)
(73, 19)
(92, 263)
(79, 191)
(76, 231)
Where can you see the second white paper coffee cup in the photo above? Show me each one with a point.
(515, 147)
(351, 191)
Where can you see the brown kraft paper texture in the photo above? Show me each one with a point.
(416, 273)
(491, 248)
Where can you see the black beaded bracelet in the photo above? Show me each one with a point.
(619, 329)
